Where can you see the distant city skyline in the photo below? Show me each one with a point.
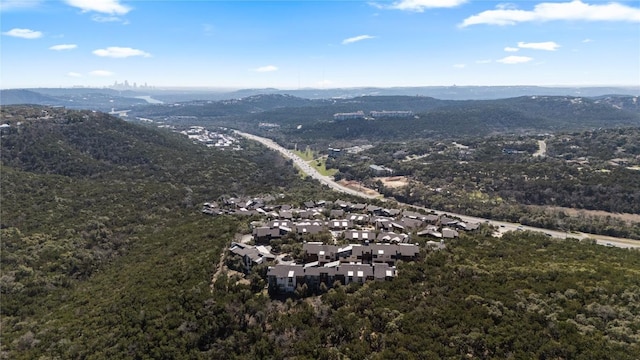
(318, 44)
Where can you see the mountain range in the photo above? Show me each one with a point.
(71, 96)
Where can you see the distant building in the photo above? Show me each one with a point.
(379, 170)
(347, 116)
(120, 113)
(334, 153)
(393, 114)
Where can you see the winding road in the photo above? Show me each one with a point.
(501, 225)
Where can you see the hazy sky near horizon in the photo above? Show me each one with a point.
(323, 44)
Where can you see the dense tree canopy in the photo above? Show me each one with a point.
(105, 254)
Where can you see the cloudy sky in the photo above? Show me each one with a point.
(325, 44)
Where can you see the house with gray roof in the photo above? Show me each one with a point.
(390, 212)
(360, 235)
(391, 237)
(431, 230)
(340, 224)
(358, 207)
(360, 219)
(384, 253)
(336, 213)
(309, 228)
(310, 214)
(285, 278)
(467, 226)
(383, 272)
(411, 224)
(264, 234)
(315, 251)
(251, 255)
(349, 273)
(446, 221)
(379, 170)
(449, 233)
(275, 230)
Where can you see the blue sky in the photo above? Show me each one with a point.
(322, 44)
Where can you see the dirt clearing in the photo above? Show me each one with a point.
(394, 181)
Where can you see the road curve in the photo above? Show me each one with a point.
(502, 225)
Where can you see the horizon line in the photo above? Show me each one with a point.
(226, 89)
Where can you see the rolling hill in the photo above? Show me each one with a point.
(306, 121)
(105, 254)
(85, 193)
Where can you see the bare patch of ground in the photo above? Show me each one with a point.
(542, 149)
(414, 157)
(355, 185)
(220, 268)
(393, 181)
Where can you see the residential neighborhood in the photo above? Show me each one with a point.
(332, 242)
(210, 138)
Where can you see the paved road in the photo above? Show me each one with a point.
(306, 168)
(501, 225)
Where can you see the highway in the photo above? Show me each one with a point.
(501, 225)
(303, 166)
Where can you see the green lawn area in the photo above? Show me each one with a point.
(319, 164)
(306, 155)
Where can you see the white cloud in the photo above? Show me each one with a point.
(547, 45)
(515, 59)
(23, 33)
(459, 66)
(8, 5)
(120, 52)
(101, 6)
(106, 19)
(511, 49)
(101, 73)
(419, 5)
(587, 41)
(351, 40)
(574, 10)
(74, 74)
(506, 6)
(63, 47)
(268, 68)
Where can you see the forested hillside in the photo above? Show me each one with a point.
(294, 120)
(105, 254)
(93, 99)
(516, 178)
(82, 190)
